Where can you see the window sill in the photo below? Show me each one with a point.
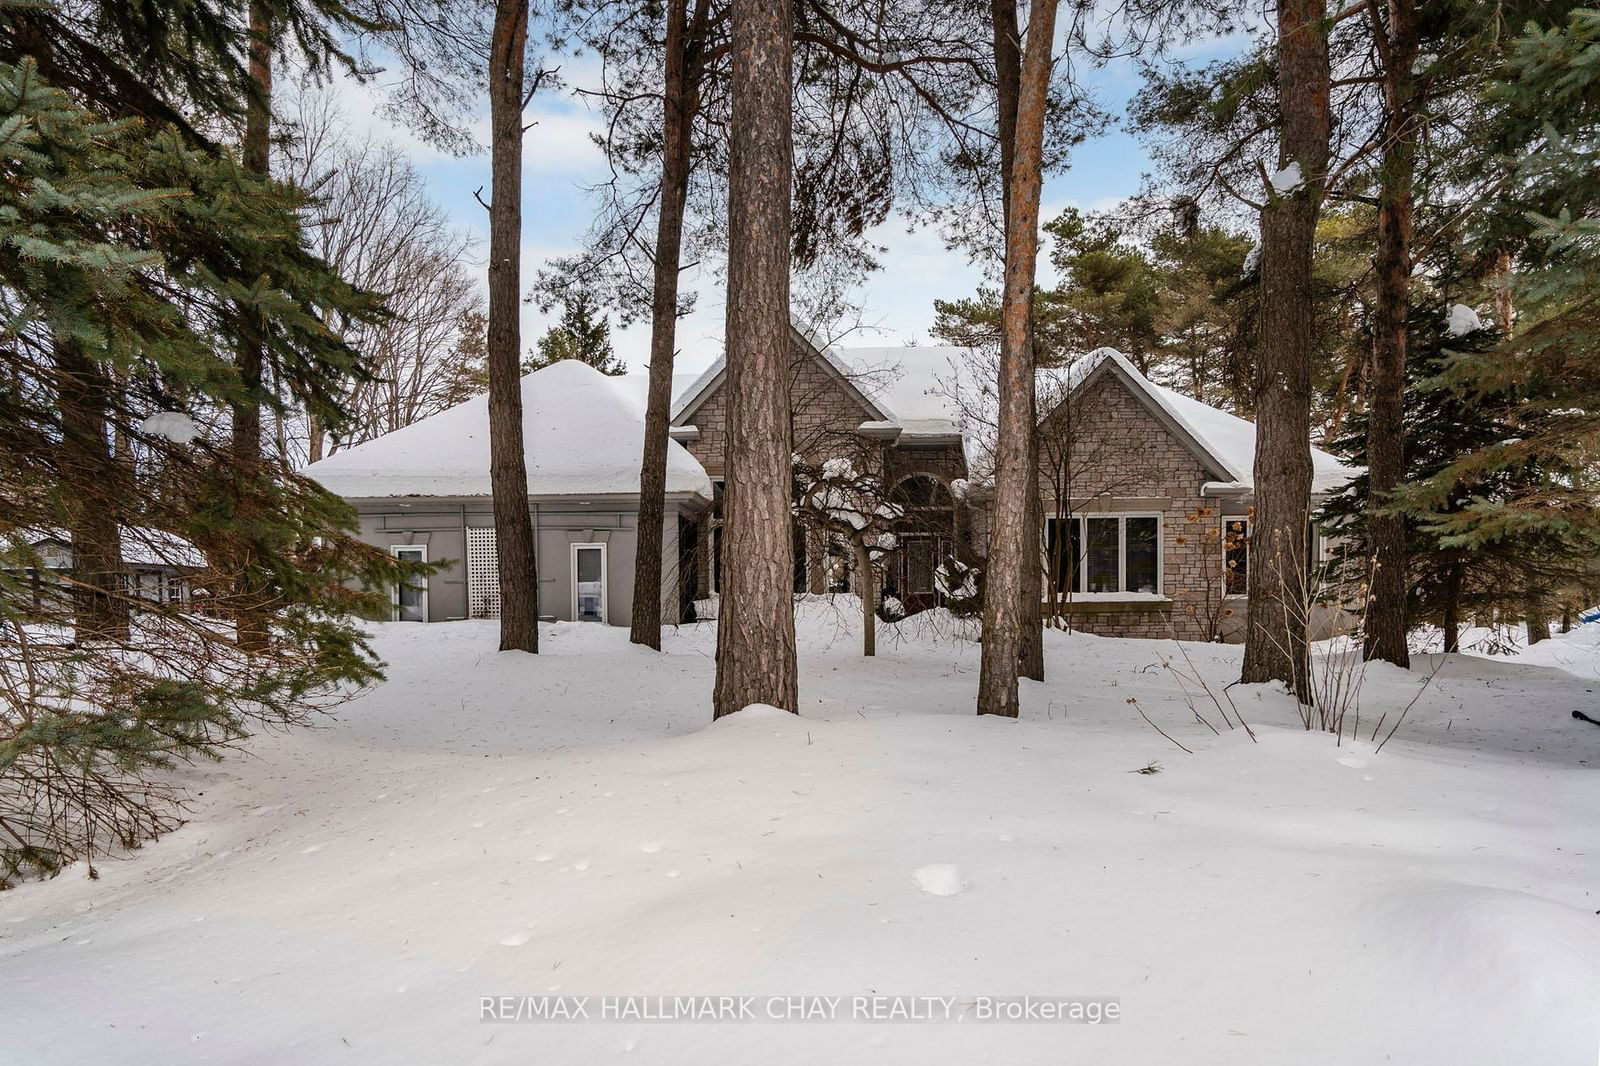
(1114, 601)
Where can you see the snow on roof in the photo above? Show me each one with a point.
(906, 383)
(1227, 440)
(583, 433)
(140, 545)
(635, 385)
(911, 384)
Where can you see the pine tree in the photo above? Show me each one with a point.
(132, 247)
(1539, 213)
(584, 334)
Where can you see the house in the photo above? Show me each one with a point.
(1147, 499)
(156, 566)
(884, 410)
(423, 493)
(1147, 493)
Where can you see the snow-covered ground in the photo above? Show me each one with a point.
(490, 824)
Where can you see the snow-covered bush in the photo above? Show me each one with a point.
(960, 585)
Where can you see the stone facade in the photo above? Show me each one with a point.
(828, 411)
(1105, 452)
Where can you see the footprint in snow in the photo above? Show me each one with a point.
(516, 940)
(674, 873)
(581, 865)
(311, 850)
(546, 857)
(940, 879)
(650, 847)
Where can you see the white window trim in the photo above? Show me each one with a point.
(394, 591)
(605, 578)
(1122, 554)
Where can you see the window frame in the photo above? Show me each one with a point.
(1081, 517)
(605, 580)
(394, 590)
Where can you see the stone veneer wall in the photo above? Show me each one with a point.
(826, 419)
(1123, 459)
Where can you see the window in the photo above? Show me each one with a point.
(589, 582)
(411, 597)
(1235, 556)
(1105, 553)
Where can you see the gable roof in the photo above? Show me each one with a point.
(898, 387)
(582, 431)
(1224, 443)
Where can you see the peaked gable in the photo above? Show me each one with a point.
(1106, 361)
(696, 395)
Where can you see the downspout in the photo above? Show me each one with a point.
(466, 568)
(533, 509)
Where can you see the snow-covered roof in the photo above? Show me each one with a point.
(1226, 442)
(583, 433)
(141, 546)
(901, 388)
(911, 383)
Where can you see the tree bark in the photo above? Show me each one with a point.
(1386, 622)
(869, 599)
(1008, 87)
(92, 478)
(1535, 617)
(1010, 554)
(755, 636)
(678, 108)
(251, 619)
(1276, 646)
(508, 468)
(1452, 608)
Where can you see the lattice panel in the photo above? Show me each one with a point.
(483, 573)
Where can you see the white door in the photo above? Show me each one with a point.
(589, 582)
(411, 597)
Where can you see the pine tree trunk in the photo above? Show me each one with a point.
(1008, 86)
(1386, 622)
(1452, 608)
(252, 617)
(1276, 647)
(90, 477)
(755, 636)
(508, 469)
(677, 128)
(869, 599)
(1535, 617)
(1010, 553)
(313, 438)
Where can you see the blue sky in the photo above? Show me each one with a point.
(897, 301)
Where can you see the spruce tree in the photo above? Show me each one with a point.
(132, 247)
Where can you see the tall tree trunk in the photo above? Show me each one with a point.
(1452, 607)
(755, 637)
(93, 478)
(252, 618)
(869, 599)
(679, 103)
(508, 468)
(1276, 647)
(1010, 553)
(1386, 622)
